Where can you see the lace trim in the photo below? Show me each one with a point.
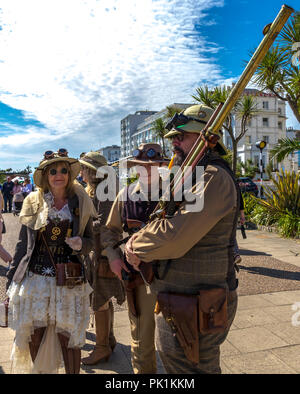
(54, 213)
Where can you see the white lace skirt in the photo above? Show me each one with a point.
(38, 302)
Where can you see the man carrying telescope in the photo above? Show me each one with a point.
(195, 278)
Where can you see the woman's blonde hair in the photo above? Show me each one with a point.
(92, 181)
(45, 187)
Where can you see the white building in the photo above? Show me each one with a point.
(128, 128)
(268, 125)
(292, 162)
(142, 131)
(111, 153)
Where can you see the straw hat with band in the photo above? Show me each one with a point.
(93, 160)
(147, 153)
(193, 120)
(50, 158)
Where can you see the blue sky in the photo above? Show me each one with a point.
(70, 70)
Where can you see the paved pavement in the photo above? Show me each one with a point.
(265, 335)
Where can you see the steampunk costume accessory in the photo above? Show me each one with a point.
(192, 120)
(50, 158)
(49, 154)
(147, 153)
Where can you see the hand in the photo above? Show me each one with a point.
(130, 256)
(75, 243)
(116, 266)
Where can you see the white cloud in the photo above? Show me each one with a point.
(80, 66)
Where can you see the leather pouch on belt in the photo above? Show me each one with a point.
(60, 274)
(104, 270)
(213, 310)
(180, 312)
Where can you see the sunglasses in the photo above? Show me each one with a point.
(179, 137)
(54, 171)
(180, 120)
(49, 154)
(150, 153)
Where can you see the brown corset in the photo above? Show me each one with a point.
(55, 233)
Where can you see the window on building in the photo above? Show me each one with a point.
(279, 110)
(265, 122)
(248, 123)
(265, 105)
(248, 139)
(280, 125)
(266, 138)
(256, 160)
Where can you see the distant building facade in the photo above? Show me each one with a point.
(128, 128)
(142, 131)
(269, 125)
(293, 160)
(111, 153)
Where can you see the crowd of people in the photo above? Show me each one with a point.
(176, 271)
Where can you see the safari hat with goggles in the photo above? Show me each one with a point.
(93, 160)
(50, 158)
(192, 120)
(147, 153)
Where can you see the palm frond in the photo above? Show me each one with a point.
(284, 147)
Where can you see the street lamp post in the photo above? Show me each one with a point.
(261, 145)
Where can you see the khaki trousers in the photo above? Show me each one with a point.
(173, 357)
(143, 356)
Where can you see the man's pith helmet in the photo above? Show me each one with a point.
(193, 120)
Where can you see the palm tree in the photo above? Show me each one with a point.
(284, 147)
(171, 110)
(278, 72)
(244, 109)
(159, 131)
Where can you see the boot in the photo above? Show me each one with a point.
(112, 339)
(71, 356)
(74, 356)
(36, 339)
(102, 350)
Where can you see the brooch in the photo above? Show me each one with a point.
(55, 233)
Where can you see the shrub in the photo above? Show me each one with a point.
(281, 206)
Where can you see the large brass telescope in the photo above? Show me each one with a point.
(214, 125)
(211, 131)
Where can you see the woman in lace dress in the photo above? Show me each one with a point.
(50, 316)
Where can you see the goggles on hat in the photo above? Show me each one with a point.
(151, 153)
(49, 154)
(180, 120)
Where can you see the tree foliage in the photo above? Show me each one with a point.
(245, 108)
(279, 71)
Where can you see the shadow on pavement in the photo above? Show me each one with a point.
(247, 252)
(274, 273)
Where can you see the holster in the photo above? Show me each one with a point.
(189, 315)
(132, 281)
(212, 305)
(180, 312)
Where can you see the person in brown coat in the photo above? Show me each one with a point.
(104, 282)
